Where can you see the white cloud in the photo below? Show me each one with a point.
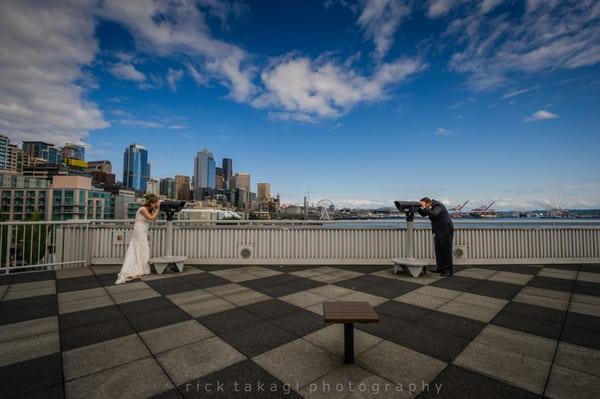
(298, 88)
(380, 19)
(488, 5)
(180, 28)
(540, 116)
(197, 77)
(440, 131)
(548, 35)
(45, 48)
(126, 71)
(173, 76)
(150, 124)
(440, 8)
(515, 93)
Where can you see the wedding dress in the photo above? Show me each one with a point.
(138, 252)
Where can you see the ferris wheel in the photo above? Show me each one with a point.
(325, 207)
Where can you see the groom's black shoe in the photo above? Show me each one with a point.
(446, 273)
(436, 271)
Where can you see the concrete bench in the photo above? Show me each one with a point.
(160, 264)
(414, 266)
(349, 313)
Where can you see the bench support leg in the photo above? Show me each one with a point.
(348, 342)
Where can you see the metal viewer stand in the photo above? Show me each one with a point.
(414, 266)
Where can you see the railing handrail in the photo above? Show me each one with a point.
(424, 223)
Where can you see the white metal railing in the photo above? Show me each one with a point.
(39, 245)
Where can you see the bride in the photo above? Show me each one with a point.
(138, 253)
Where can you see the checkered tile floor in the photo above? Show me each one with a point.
(495, 331)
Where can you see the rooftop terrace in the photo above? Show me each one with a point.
(519, 331)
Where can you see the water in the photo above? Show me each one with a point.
(495, 223)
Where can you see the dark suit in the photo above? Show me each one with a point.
(443, 230)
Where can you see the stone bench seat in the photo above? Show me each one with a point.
(414, 266)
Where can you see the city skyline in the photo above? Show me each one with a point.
(359, 102)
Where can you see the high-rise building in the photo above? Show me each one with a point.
(73, 151)
(73, 197)
(219, 181)
(136, 169)
(204, 174)
(102, 166)
(182, 188)
(4, 152)
(263, 191)
(22, 196)
(242, 180)
(167, 187)
(153, 187)
(227, 171)
(45, 151)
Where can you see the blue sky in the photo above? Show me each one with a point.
(361, 102)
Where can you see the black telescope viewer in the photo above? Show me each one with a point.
(170, 207)
(409, 208)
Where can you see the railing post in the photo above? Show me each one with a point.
(8, 245)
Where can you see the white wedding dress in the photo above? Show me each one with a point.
(138, 252)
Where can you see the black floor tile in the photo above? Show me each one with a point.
(229, 320)
(172, 285)
(271, 309)
(379, 286)
(402, 311)
(439, 344)
(258, 338)
(17, 310)
(145, 305)
(367, 269)
(6, 279)
(492, 267)
(531, 319)
(581, 337)
(550, 283)
(19, 379)
(31, 277)
(279, 290)
(282, 279)
(107, 279)
(88, 334)
(386, 327)
(568, 266)
(241, 380)
(589, 268)
(170, 394)
(259, 283)
(305, 284)
(456, 325)
(392, 288)
(587, 288)
(205, 280)
(496, 289)
(457, 283)
(523, 269)
(300, 323)
(212, 268)
(288, 268)
(584, 321)
(77, 283)
(458, 383)
(89, 316)
(157, 318)
(53, 392)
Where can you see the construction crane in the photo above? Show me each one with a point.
(459, 207)
(484, 211)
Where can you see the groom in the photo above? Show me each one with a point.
(443, 231)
